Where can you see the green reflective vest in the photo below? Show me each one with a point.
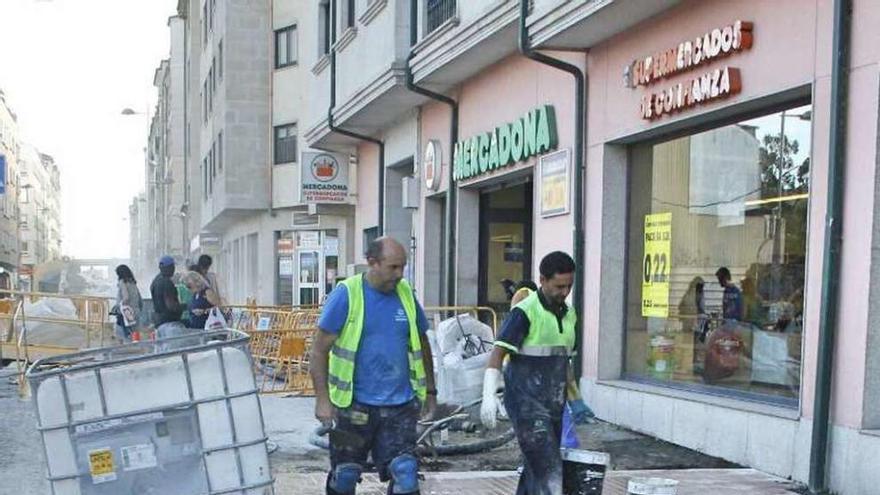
(344, 351)
(544, 337)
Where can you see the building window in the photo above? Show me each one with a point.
(220, 150)
(204, 25)
(324, 27)
(717, 253)
(285, 47)
(349, 13)
(439, 11)
(285, 144)
(212, 4)
(220, 60)
(205, 177)
(213, 74)
(212, 161)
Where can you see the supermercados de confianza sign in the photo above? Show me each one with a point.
(688, 55)
(530, 135)
(324, 178)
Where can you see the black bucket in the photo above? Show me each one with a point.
(583, 471)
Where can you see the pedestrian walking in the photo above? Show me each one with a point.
(372, 370)
(202, 300)
(129, 305)
(539, 337)
(203, 266)
(166, 306)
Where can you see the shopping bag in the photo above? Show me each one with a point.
(215, 320)
(129, 319)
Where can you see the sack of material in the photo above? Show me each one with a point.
(451, 331)
(215, 320)
(462, 382)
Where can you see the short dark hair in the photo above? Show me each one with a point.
(205, 262)
(723, 272)
(556, 263)
(375, 249)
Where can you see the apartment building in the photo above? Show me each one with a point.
(686, 168)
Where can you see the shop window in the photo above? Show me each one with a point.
(284, 251)
(716, 258)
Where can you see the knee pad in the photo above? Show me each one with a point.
(344, 479)
(405, 474)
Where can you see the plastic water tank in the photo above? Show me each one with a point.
(153, 418)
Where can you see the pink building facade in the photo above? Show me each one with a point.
(706, 185)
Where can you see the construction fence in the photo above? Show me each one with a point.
(281, 340)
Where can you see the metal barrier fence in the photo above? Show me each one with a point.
(281, 342)
(36, 325)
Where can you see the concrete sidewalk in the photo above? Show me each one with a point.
(693, 482)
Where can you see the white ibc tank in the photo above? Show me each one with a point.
(134, 420)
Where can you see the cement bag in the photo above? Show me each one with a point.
(462, 382)
(452, 330)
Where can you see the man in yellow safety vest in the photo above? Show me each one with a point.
(373, 372)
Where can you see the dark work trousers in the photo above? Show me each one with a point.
(387, 433)
(534, 396)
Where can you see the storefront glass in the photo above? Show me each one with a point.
(716, 258)
(505, 244)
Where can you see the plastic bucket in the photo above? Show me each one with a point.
(583, 471)
(652, 486)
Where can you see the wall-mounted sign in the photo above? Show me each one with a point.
(433, 165)
(657, 265)
(555, 170)
(530, 135)
(688, 55)
(324, 177)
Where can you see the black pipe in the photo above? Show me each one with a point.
(579, 129)
(451, 193)
(380, 226)
(832, 247)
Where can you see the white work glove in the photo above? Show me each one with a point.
(491, 404)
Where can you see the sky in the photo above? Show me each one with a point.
(68, 68)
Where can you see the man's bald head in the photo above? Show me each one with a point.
(387, 258)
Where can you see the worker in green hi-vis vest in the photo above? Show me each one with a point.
(373, 373)
(539, 337)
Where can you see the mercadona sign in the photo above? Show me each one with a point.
(530, 135)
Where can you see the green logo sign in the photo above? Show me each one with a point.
(532, 134)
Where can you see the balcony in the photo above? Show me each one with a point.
(580, 24)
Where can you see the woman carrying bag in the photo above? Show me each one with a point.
(129, 305)
(204, 300)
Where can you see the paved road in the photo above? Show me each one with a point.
(21, 453)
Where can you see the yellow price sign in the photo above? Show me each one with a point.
(656, 265)
(101, 465)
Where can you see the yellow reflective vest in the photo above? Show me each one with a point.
(544, 337)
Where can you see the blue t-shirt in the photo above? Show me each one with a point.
(381, 373)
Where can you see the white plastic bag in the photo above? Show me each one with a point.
(128, 316)
(215, 320)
